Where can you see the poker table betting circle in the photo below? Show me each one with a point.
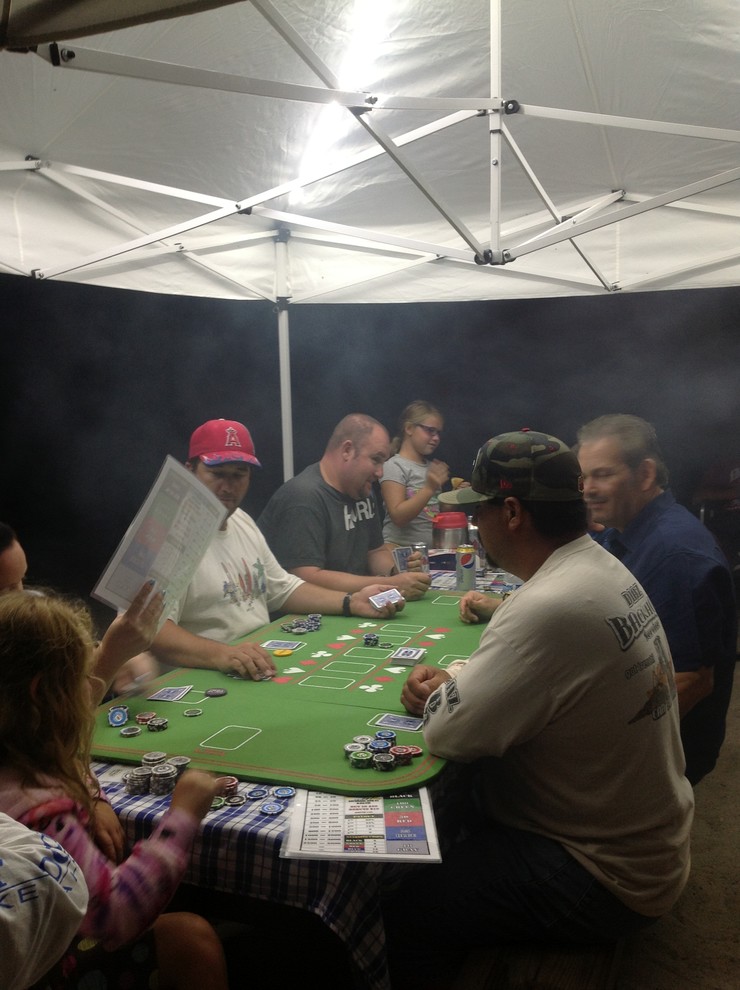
(293, 728)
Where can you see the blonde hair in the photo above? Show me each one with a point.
(414, 413)
(46, 716)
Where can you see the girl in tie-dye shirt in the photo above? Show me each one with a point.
(46, 720)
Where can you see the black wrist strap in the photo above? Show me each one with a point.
(345, 606)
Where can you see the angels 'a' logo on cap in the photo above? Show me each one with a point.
(232, 438)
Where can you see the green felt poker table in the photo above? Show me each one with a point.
(293, 729)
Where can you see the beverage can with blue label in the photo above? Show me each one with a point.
(466, 559)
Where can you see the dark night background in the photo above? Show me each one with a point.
(98, 385)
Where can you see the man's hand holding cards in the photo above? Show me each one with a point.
(392, 596)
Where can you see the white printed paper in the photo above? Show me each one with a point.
(166, 541)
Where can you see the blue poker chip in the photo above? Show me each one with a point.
(379, 745)
(283, 792)
(257, 792)
(272, 808)
(117, 716)
(386, 734)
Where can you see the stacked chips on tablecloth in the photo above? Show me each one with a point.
(164, 778)
(152, 758)
(138, 780)
(180, 763)
(229, 785)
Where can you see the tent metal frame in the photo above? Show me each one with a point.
(496, 249)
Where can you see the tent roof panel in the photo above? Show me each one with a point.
(434, 197)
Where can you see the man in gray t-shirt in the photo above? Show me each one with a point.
(325, 526)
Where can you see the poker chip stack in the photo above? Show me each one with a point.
(383, 761)
(362, 760)
(311, 623)
(164, 778)
(157, 724)
(402, 754)
(138, 780)
(378, 746)
(180, 763)
(371, 639)
(379, 752)
(151, 759)
(229, 786)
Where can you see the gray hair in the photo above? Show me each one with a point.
(636, 437)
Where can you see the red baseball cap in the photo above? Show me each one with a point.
(222, 441)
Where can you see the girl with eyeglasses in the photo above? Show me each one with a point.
(413, 477)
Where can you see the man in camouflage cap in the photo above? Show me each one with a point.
(579, 813)
(533, 466)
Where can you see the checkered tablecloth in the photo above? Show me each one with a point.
(237, 851)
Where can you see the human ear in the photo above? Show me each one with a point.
(647, 473)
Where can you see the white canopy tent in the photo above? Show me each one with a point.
(371, 150)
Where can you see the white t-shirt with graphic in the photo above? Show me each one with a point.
(236, 585)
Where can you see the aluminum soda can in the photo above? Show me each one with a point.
(466, 561)
(422, 549)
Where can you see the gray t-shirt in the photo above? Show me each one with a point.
(412, 476)
(307, 523)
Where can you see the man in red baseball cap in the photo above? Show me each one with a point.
(239, 581)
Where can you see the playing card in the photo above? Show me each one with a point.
(170, 693)
(389, 597)
(401, 558)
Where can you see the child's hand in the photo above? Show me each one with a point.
(194, 792)
(133, 631)
(107, 832)
(438, 474)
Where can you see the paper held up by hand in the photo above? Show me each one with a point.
(166, 540)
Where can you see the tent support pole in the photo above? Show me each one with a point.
(494, 119)
(283, 326)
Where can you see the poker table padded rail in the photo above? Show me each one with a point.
(293, 728)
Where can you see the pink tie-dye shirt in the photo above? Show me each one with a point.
(125, 899)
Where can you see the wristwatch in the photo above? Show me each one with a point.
(346, 612)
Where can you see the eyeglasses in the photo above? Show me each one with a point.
(431, 430)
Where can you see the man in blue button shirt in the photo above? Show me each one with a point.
(677, 561)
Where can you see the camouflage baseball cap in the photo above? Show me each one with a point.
(526, 464)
